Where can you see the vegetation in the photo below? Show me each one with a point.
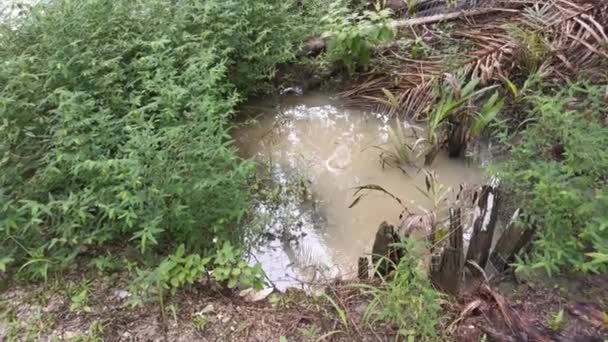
(408, 299)
(114, 131)
(352, 36)
(456, 116)
(519, 74)
(115, 151)
(558, 174)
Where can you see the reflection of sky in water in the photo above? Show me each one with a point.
(333, 149)
(303, 258)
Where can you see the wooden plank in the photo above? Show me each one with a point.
(515, 237)
(447, 16)
(384, 256)
(448, 274)
(484, 224)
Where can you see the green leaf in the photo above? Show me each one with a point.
(4, 261)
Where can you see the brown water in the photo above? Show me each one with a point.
(314, 139)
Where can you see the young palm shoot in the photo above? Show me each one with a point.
(449, 108)
(401, 152)
(486, 115)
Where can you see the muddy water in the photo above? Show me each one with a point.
(330, 149)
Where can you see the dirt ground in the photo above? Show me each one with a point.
(57, 310)
(538, 308)
(202, 313)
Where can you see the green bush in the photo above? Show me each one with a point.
(114, 118)
(352, 36)
(558, 172)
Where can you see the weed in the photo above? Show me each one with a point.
(400, 153)
(310, 332)
(450, 114)
(179, 270)
(341, 312)
(79, 296)
(199, 322)
(530, 51)
(114, 120)
(556, 321)
(106, 263)
(408, 300)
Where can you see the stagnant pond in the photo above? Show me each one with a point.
(330, 149)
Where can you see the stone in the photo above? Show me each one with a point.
(207, 309)
(251, 295)
(121, 294)
(314, 46)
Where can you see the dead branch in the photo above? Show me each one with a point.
(448, 16)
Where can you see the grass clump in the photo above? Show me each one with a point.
(408, 300)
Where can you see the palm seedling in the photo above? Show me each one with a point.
(400, 154)
(450, 116)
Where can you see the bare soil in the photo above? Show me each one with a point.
(44, 312)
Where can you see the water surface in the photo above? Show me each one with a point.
(332, 150)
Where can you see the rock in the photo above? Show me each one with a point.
(224, 319)
(295, 90)
(251, 295)
(121, 294)
(313, 46)
(71, 335)
(339, 160)
(397, 6)
(207, 309)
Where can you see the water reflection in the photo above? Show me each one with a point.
(330, 149)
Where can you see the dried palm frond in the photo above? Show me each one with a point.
(417, 101)
(580, 41)
(563, 37)
(494, 52)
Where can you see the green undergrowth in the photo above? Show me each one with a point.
(406, 299)
(351, 36)
(114, 120)
(557, 171)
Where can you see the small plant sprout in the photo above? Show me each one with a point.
(400, 152)
(556, 321)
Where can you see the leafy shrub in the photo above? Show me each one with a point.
(113, 124)
(179, 269)
(558, 172)
(351, 36)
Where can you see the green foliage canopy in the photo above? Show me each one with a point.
(114, 118)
